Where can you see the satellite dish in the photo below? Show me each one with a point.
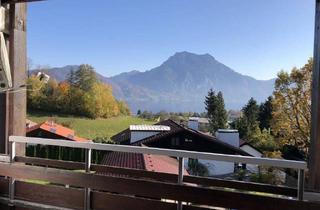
(5, 73)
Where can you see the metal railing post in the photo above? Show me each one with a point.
(11, 179)
(87, 196)
(180, 178)
(300, 184)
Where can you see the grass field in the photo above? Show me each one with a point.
(89, 128)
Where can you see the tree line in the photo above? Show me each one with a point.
(280, 126)
(81, 94)
(282, 123)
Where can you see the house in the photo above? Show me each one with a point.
(198, 123)
(184, 138)
(250, 149)
(52, 130)
(137, 132)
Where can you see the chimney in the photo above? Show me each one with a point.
(228, 136)
(193, 123)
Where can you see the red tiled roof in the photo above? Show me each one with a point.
(163, 164)
(155, 163)
(57, 129)
(124, 160)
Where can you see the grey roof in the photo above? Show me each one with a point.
(199, 119)
(149, 128)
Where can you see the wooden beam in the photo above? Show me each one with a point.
(18, 64)
(314, 160)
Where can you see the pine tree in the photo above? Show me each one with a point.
(71, 77)
(222, 116)
(85, 77)
(265, 114)
(251, 113)
(215, 111)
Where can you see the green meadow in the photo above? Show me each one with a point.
(90, 128)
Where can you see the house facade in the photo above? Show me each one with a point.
(184, 138)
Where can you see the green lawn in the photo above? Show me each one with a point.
(89, 128)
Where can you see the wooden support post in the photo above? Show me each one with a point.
(314, 160)
(18, 64)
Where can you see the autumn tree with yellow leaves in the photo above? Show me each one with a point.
(291, 116)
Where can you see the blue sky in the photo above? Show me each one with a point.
(254, 37)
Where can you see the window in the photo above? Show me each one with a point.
(188, 140)
(175, 141)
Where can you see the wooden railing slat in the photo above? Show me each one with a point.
(141, 174)
(156, 190)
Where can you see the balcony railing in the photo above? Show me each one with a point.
(123, 188)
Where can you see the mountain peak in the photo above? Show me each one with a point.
(186, 54)
(186, 60)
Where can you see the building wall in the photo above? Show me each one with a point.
(193, 124)
(138, 135)
(231, 138)
(255, 153)
(216, 168)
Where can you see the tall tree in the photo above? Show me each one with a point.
(251, 112)
(242, 126)
(248, 124)
(85, 77)
(215, 111)
(222, 112)
(71, 77)
(292, 107)
(265, 114)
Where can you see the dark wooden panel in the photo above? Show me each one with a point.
(4, 184)
(3, 121)
(102, 201)
(141, 174)
(3, 207)
(152, 189)
(51, 163)
(50, 195)
(257, 187)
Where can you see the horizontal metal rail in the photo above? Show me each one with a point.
(301, 165)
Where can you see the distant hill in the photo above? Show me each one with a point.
(181, 83)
